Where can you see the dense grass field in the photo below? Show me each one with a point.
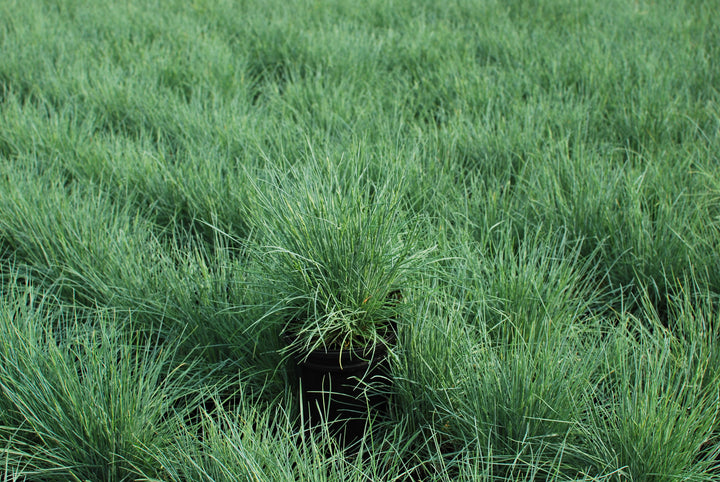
(557, 163)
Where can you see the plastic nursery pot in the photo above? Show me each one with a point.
(345, 388)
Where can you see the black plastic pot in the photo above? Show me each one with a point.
(344, 388)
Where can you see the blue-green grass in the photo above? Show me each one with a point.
(550, 167)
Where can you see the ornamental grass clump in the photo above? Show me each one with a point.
(82, 391)
(337, 250)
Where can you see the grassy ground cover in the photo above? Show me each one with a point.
(556, 162)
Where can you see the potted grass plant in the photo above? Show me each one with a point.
(337, 251)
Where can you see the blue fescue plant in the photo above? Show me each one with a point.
(337, 249)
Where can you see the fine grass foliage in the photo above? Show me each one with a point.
(337, 251)
(654, 413)
(80, 395)
(521, 197)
